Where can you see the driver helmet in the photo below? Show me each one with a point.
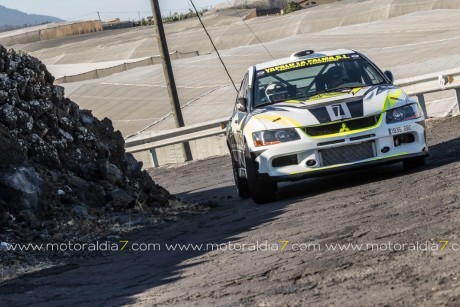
(335, 76)
(276, 92)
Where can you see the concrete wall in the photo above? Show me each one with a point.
(104, 72)
(49, 31)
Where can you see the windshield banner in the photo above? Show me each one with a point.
(309, 62)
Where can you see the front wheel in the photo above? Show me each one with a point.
(240, 183)
(262, 190)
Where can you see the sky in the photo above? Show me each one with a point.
(87, 9)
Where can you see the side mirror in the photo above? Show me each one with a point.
(389, 75)
(241, 104)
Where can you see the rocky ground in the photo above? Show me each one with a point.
(380, 205)
(64, 174)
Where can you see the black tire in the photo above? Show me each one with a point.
(414, 163)
(262, 190)
(241, 183)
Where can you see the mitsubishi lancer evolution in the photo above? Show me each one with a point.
(316, 113)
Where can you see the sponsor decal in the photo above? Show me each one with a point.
(305, 63)
(326, 95)
(334, 94)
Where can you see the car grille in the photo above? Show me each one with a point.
(337, 127)
(347, 154)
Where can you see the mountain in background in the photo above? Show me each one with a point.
(13, 19)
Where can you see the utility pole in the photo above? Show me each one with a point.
(99, 16)
(168, 72)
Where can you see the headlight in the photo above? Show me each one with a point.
(403, 113)
(270, 137)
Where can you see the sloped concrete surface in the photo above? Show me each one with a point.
(410, 38)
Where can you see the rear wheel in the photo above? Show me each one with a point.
(262, 190)
(414, 163)
(240, 183)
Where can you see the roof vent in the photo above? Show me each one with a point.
(301, 54)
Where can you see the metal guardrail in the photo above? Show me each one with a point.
(421, 85)
(151, 141)
(416, 86)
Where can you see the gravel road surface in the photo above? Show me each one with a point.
(395, 235)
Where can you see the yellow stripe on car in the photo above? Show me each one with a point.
(355, 90)
(283, 120)
(391, 99)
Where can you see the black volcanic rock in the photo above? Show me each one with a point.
(58, 162)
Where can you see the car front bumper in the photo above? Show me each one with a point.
(386, 143)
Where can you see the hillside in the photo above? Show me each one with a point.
(10, 18)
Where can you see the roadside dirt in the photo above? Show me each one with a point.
(408, 214)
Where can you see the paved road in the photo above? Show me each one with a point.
(387, 206)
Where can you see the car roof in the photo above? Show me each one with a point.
(315, 54)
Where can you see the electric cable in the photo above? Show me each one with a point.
(253, 33)
(209, 36)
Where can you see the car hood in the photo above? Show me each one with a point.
(330, 107)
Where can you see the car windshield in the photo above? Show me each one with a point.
(306, 78)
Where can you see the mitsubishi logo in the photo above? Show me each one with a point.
(344, 128)
(338, 111)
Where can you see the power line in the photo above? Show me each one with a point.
(78, 17)
(218, 54)
(260, 42)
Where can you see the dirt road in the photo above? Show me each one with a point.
(393, 222)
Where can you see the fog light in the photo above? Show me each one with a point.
(385, 149)
(405, 138)
(285, 161)
(311, 163)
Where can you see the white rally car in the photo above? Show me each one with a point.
(316, 113)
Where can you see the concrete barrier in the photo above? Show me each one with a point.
(48, 31)
(104, 72)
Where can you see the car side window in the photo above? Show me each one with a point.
(372, 75)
